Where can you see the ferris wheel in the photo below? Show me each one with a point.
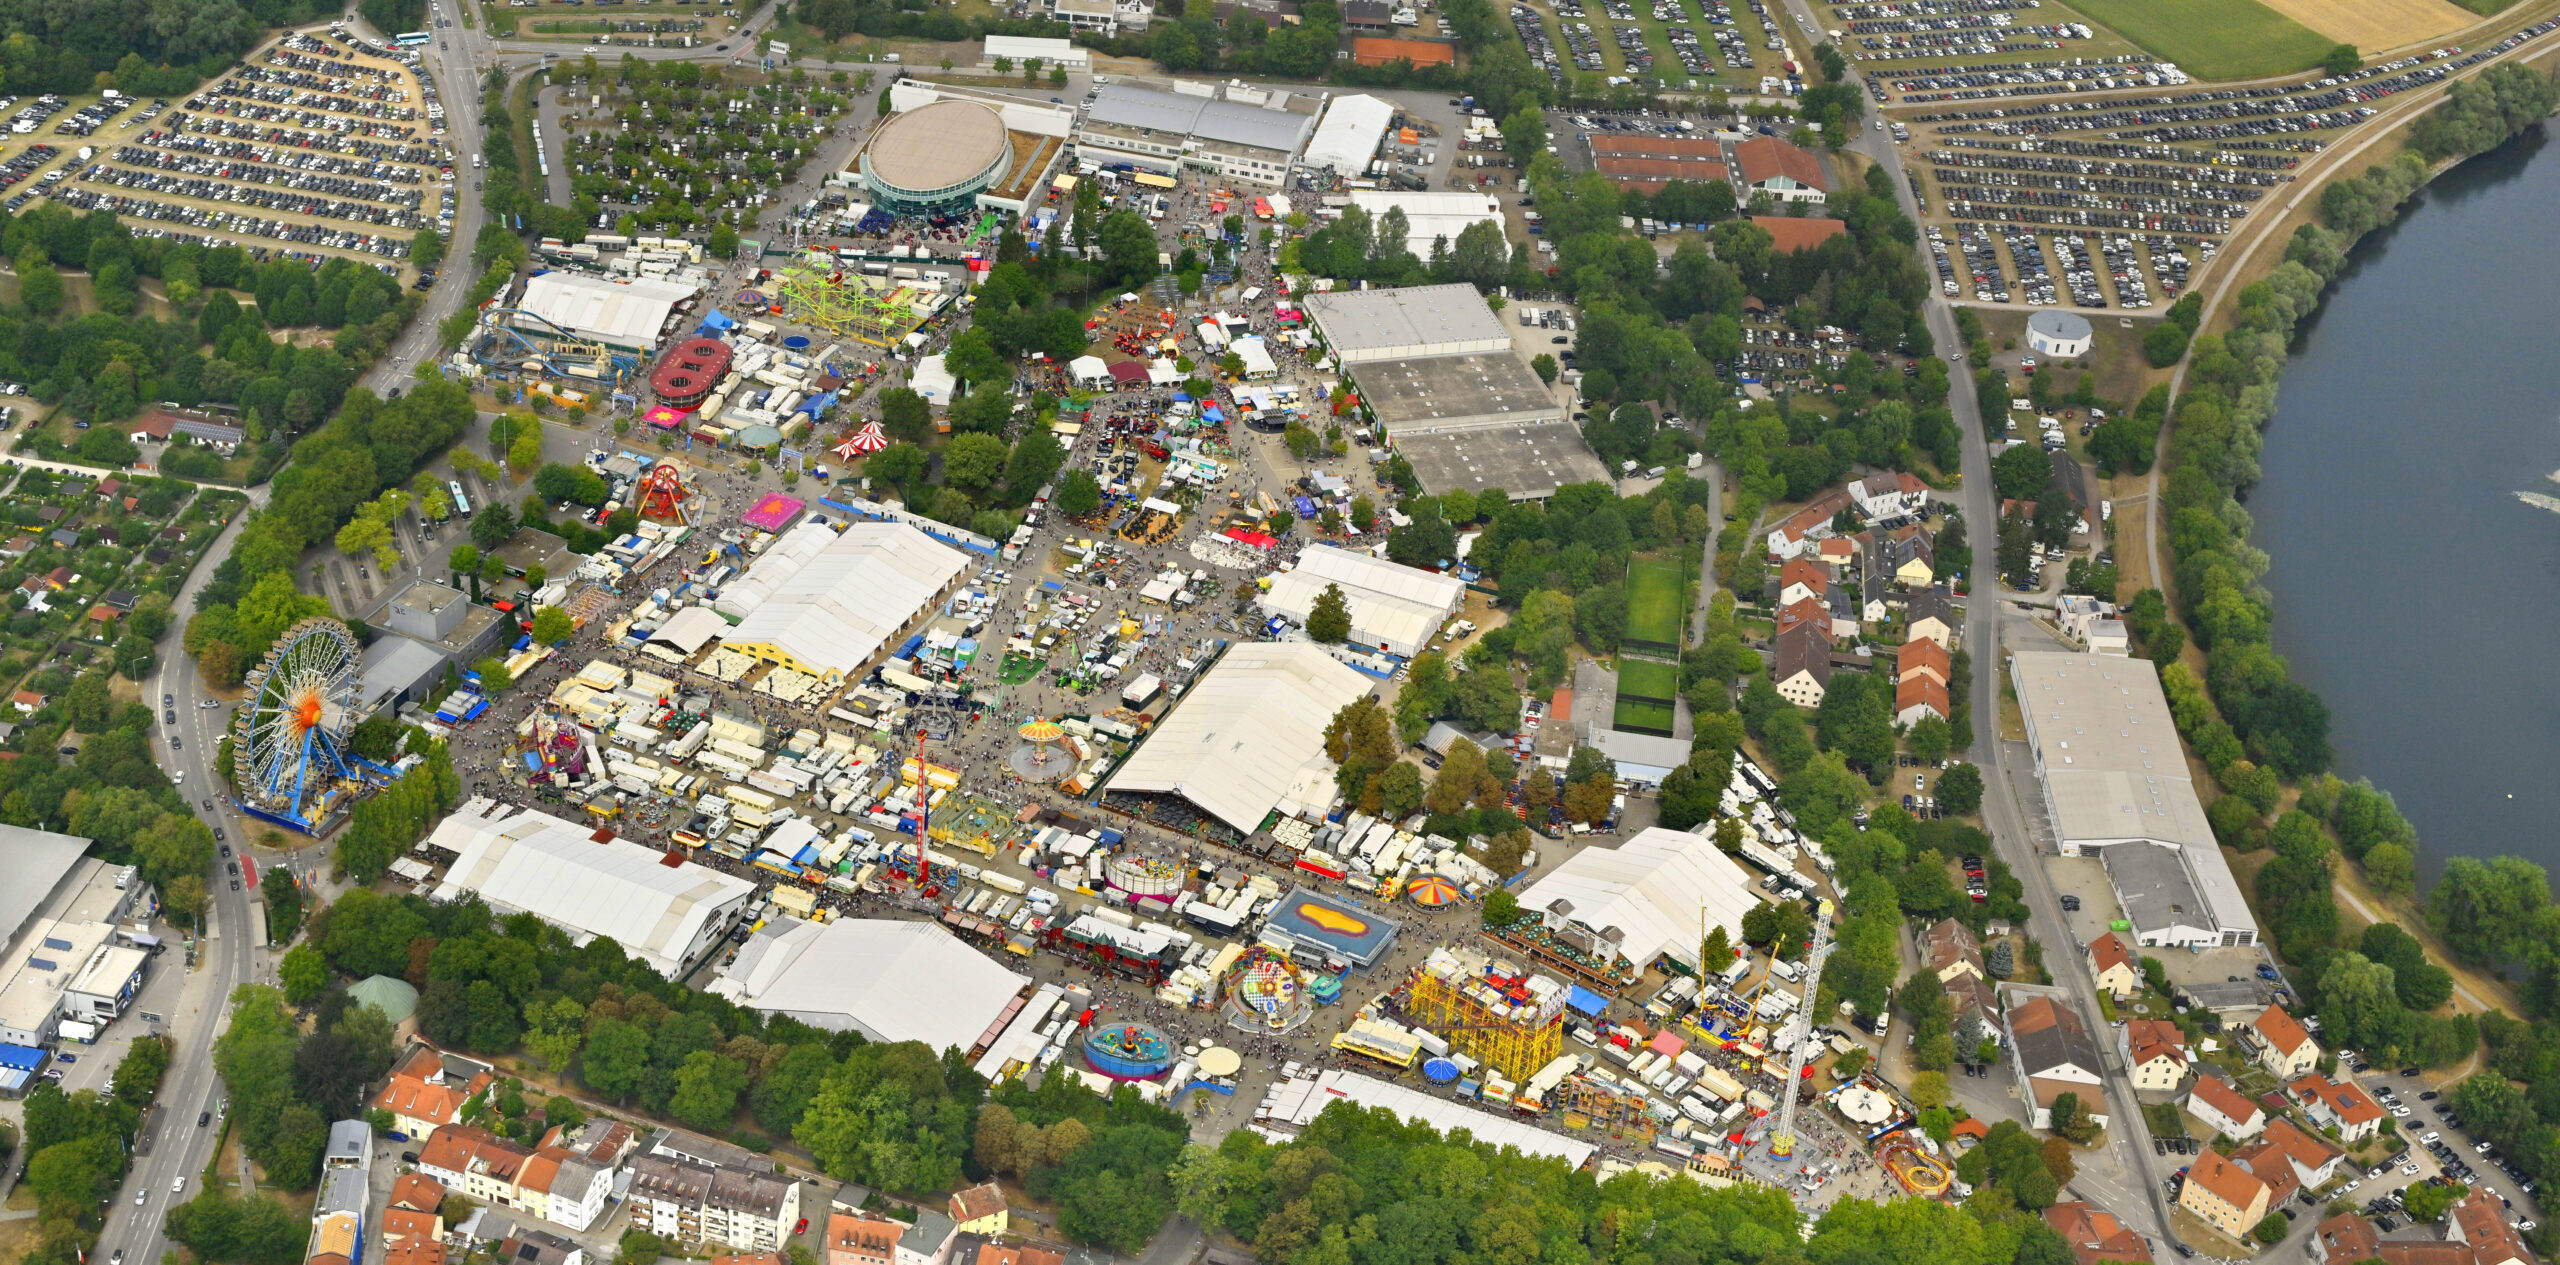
(290, 748)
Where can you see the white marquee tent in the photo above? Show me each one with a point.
(1247, 732)
(1652, 888)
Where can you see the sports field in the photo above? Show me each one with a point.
(2216, 39)
(1653, 601)
(1647, 678)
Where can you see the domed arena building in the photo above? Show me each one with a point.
(936, 158)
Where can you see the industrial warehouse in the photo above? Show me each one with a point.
(1437, 371)
(1395, 609)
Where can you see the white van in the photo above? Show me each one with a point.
(1786, 970)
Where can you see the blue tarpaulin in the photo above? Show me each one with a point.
(532, 761)
(1210, 412)
(716, 322)
(1584, 1001)
(1306, 508)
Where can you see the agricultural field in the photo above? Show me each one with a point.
(2374, 25)
(1654, 590)
(2216, 39)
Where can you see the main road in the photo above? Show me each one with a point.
(2116, 1175)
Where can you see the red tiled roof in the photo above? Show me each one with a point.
(2109, 951)
(2218, 1094)
(2095, 1235)
(1766, 157)
(2235, 1185)
(2280, 1030)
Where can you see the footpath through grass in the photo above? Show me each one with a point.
(2214, 39)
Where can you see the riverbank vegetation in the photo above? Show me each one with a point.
(2254, 727)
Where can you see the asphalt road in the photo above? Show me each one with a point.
(2113, 1175)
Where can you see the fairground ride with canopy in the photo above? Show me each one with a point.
(844, 306)
(291, 763)
(512, 340)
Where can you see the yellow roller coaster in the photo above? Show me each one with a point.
(845, 306)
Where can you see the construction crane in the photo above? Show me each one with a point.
(1782, 1143)
(924, 812)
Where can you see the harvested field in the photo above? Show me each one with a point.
(2374, 25)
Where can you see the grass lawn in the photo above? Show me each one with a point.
(2214, 39)
(1647, 678)
(1653, 601)
(1648, 717)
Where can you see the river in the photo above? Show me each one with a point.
(2413, 591)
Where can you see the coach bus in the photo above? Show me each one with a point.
(411, 39)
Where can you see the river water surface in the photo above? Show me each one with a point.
(2413, 591)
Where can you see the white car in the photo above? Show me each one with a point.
(2432, 1136)
(2409, 1169)
(2399, 1111)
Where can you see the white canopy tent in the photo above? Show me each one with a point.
(1652, 888)
(1089, 369)
(1242, 736)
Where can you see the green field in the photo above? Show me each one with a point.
(1651, 718)
(2214, 39)
(1654, 590)
(1648, 678)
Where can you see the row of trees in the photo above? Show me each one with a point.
(898, 1117)
(286, 1085)
(79, 1147)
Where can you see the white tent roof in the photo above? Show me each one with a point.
(535, 863)
(626, 313)
(1392, 605)
(1161, 372)
(1429, 214)
(1440, 1113)
(1242, 736)
(930, 380)
(1256, 355)
(832, 600)
(888, 979)
(688, 629)
(1349, 134)
(1652, 888)
(1088, 368)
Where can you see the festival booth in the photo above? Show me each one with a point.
(1089, 371)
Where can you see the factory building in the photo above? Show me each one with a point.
(1394, 608)
(1249, 135)
(1437, 371)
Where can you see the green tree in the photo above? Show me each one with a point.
(1959, 789)
(304, 973)
(552, 625)
(1079, 495)
(2342, 60)
(1330, 619)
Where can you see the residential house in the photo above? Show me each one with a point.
(1838, 552)
(1912, 555)
(535, 1247)
(2279, 1044)
(2225, 1110)
(479, 1165)
(2479, 1222)
(1774, 167)
(346, 1186)
(1950, 950)
(999, 1254)
(1370, 16)
(416, 1192)
(928, 1241)
(856, 1239)
(1931, 614)
(1802, 529)
(2155, 1054)
(1883, 498)
(1814, 611)
(401, 1224)
(563, 1187)
(2330, 1105)
(981, 1210)
(1802, 578)
(1800, 663)
(2347, 1237)
(2094, 624)
(2115, 966)
(414, 1252)
(2224, 1195)
(2094, 1234)
(28, 702)
(63, 538)
(430, 1090)
(1921, 671)
(2052, 1053)
(697, 1190)
(748, 1258)
(607, 1142)
(2284, 1152)
(19, 545)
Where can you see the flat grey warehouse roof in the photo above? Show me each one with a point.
(1527, 462)
(1363, 325)
(1124, 105)
(1455, 393)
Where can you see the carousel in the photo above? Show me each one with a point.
(1038, 757)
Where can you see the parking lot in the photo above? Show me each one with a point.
(316, 143)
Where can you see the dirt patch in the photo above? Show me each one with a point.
(19, 1237)
(2377, 24)
(2133, 522)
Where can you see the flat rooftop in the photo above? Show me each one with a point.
(2157, 892)
(1363, 325)
(1529, 462)
(1455, 392)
